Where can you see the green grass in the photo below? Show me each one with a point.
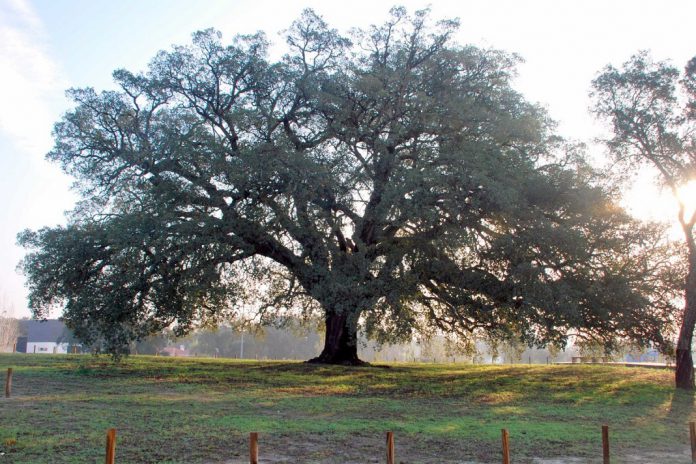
(201, 410)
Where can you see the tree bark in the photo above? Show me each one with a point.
(684, 373)
(341, 341)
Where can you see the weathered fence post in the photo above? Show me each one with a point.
(605, 443)
(391, 457)
(254, 448)
(8, 383)
(692, 436)
(506, 446)
(14, 347)
(110, 446)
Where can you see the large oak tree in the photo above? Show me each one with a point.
(392, 180)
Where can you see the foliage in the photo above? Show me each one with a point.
(392, 179)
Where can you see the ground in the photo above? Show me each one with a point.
(180, 410)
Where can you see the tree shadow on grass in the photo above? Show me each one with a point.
(681, 407)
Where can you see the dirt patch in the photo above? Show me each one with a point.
(648, 458)
(659, 458)
(315, 453)
(653, 458)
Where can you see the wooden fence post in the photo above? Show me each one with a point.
(605, 443)
(692, 435)
(110, 446)
(391, 457)
(254, 448)
(506, 446)
(8, 383)
(14, 347)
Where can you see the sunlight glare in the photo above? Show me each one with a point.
(686, 195)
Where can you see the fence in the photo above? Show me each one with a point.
(390, 448)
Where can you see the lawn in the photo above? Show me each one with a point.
(178, 410)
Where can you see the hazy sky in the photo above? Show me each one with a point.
(47, 46)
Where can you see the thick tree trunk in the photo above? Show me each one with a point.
(684, 375)
(341, 342)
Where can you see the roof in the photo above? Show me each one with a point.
(49, 330)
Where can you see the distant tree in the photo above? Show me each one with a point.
(591, 349)
(222, 342)
(652, 110)
(393, 181)
(9, 326)
(268, 343)
(512, 351)
(152, 344)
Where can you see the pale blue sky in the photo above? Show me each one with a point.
(47, 46)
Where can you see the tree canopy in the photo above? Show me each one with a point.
(652, 110)
(391, 180)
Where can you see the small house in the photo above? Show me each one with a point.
(49, 336)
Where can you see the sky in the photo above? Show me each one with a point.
(48, 46)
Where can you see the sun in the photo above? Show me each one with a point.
(686, 194)
(647, 201)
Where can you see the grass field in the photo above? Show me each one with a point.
(178, 410)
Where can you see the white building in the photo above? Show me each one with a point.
(44, 337)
